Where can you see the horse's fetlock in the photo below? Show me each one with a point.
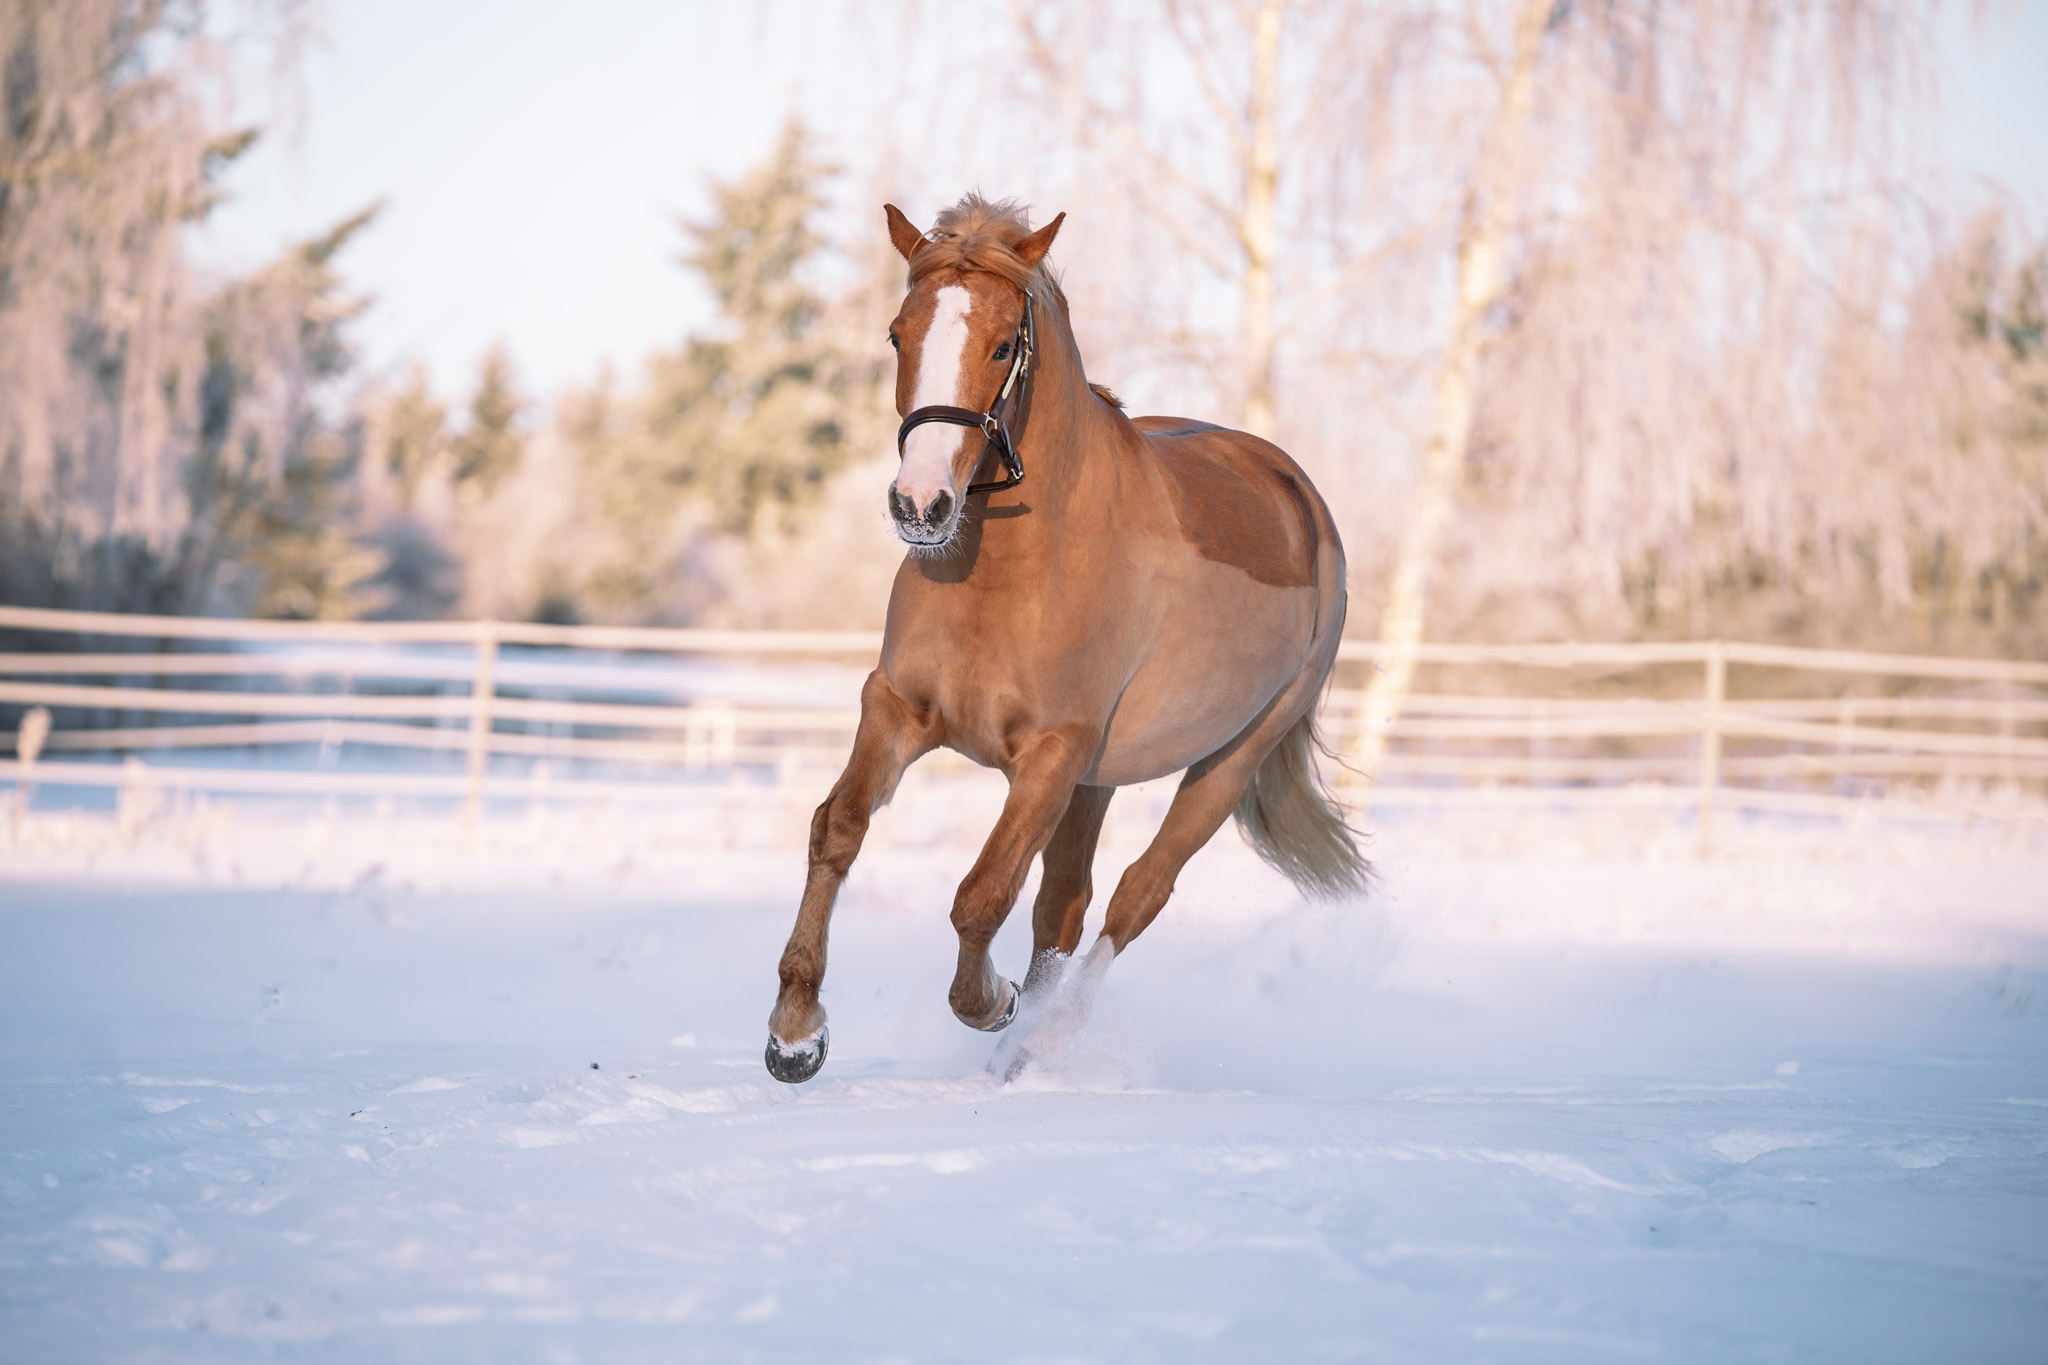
(793, 1021)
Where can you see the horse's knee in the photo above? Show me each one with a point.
(837, 830)
(979, 909)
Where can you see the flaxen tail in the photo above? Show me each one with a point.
(1290, 818)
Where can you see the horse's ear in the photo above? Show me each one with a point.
(1034, 247)
(903, 232)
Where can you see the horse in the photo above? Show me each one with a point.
(1164, 595)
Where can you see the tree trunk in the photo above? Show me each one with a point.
(1482, 237)
(1256, 231)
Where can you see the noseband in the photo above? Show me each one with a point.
(994, 424)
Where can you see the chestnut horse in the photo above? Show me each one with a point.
(1162, 595)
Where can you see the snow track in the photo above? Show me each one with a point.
(1514, 1113)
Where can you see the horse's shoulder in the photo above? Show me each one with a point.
(1240, 500)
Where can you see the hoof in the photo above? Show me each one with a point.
(1009, 1011)
(795, 1062)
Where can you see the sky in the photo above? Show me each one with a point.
(531, 170)
(533, 167)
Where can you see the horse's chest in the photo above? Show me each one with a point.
(988, 705)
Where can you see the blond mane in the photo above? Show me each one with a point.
(980, 234)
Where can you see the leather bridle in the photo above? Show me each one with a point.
(995, 424)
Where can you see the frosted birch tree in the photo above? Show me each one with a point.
(1648, 253)
(1213, 130)
(1485, 220)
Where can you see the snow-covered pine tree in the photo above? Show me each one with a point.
(735, 429)
(155, 430)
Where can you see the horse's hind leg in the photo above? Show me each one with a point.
(1048, 1013)
(1042, 778)
(889, 739)
(1207, 797)
(1067, 886)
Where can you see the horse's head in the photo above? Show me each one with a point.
(957, 340)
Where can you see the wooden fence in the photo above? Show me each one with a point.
(496, 710)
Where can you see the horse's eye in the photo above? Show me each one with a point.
(894, 344)
(1003, 351)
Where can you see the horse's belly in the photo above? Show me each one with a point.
(1209, 676)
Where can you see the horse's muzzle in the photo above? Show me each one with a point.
(927, 527)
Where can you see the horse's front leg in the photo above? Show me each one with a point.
(1042, 778)
(891, 736)
(1067, 886)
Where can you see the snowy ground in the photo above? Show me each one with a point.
(1503, 1111)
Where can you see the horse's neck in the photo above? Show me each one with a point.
(1068, 448)
(1063, 435)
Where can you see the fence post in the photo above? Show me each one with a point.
(28, 747)
(483, 689)
(1710, 743)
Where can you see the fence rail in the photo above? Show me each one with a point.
(591, 701)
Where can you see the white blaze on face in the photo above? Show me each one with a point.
(928, 453)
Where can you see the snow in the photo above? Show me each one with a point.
(1504, 1110)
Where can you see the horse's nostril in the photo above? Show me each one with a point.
(941, 506)
(901, 507)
